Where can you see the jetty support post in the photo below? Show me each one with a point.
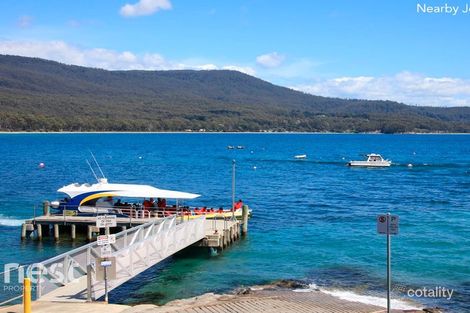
(39, 231)
(26, 230)
(245, 220)
(90, 233)
(23, 231)
(56, 232)
(46, 208)
(73, 231)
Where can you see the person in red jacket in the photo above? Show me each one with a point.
(238, 204)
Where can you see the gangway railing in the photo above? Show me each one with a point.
(72, 276)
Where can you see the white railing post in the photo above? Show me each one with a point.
(88, 283)
(38, 285)
(66, 268)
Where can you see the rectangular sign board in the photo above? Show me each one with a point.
(382, 224)
(106, 263)
(103, 221)
(106, 251)
(109, 264)
(103, 240)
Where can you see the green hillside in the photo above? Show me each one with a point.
(41, 95)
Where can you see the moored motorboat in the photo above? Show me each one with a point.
(373, 160)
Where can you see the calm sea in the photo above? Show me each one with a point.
(314, 219)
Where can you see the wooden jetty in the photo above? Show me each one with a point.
(220, 232)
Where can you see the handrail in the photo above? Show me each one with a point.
(10, 300)
(93, 244)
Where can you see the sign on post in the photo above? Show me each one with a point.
(382, 224)
(103, 221)
(104, 240)
(387, 224)
(106, 270)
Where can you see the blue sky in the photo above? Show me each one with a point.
(355, 49)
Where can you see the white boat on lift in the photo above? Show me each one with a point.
(373, 160)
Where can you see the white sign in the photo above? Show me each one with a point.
(106, 240)
(106, 263)
(106, 251)
(103, 221)
(382, 224)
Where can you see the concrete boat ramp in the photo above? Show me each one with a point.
(278, 301)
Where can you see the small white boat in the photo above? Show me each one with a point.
(300, 156)
(373, 160)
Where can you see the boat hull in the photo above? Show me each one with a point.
(370, 164)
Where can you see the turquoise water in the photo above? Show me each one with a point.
(314, 219)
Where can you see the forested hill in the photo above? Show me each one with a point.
(41, 95)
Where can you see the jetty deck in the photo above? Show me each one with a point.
(220, 232)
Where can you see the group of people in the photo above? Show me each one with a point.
(207, 210)
(151, 204)
(236, 206)
(147, 204)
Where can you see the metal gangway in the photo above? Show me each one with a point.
(73, 276)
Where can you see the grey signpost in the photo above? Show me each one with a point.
(388, 225)
(105, 264)
(106, 260)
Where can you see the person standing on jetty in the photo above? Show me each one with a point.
(238, 205)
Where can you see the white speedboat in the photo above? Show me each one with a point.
(373, 160)
(300, 156)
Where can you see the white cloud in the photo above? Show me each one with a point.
(270, 60)
(406, 87)
(24, 21)
(105, 58)
(144, 7)
(244, 69)
(96, 57)
(207, 67)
